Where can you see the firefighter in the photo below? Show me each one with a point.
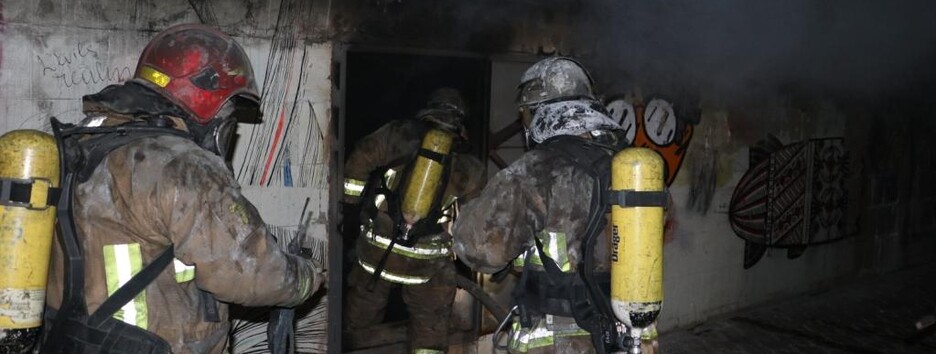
(156, 238)
(407, 181)
(541, 216)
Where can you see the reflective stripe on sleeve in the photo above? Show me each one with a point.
(427, 351)
(353, 187)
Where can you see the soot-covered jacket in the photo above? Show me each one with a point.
(166, 191)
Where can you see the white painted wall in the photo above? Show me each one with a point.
(53, 52)
(51, 59)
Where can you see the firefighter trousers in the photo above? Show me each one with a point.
(429, 305)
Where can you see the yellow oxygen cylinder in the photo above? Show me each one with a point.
(425, 176)
(637, 237)
(29, 167)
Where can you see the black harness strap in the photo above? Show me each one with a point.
(108, 139)
(73, 290)
(584, 293)
(520, 295)
(18, 192)
(132, 288)
(372, 283)
(632, 198)
(70, 329)
(432, 155)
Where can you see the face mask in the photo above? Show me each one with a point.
(219, 136)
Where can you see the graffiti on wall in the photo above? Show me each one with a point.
(287, 148)
(656, 126)
(83, 65)
(706, 164)
(792, 196)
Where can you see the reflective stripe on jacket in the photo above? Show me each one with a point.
(431, 248)
(554, 246)
(541, 335)
(404, 265)
(122, 262)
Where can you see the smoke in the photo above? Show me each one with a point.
(736, 49)
(727, 49)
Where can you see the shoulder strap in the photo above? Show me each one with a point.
(107, 139)
(78, 159)
(595, 160)
(73, 289)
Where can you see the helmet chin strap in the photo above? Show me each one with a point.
(528, 142)
(525, 115)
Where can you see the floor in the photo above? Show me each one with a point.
(878, 314)
(875, 315)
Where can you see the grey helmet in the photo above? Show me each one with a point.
(554, 79)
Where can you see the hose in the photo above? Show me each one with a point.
(486, 300)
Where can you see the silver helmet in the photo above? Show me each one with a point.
(554, 79)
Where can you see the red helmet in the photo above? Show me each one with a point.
(199, 69)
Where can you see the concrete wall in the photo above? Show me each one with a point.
(898, 193)
(703, 270)
(889, 216)
(53, 52)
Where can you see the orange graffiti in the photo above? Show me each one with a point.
(671, 147)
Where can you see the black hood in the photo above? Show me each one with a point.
(131, 99)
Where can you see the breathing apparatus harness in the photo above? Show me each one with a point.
(71, 329)
(403, 234)
(583, 295)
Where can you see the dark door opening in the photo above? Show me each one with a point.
(382, 87)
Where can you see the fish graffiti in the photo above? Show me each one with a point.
(792, 196)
